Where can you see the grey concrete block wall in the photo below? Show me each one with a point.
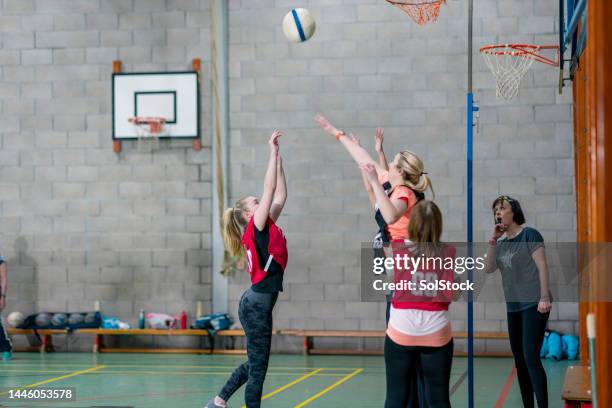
(369, 65)
(79, 223)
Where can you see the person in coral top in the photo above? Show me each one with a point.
(394, 191)
(398, 188)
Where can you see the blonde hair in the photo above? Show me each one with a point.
(233, 224)
(425, 227)
(412, 172)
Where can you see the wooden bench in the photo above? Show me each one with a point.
(576, 391)
(98, 345)
(309, 336)
(45, 336)
(483, 336)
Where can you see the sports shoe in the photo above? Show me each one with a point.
(7, 356)
(211, 404)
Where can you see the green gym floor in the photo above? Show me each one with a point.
(177, 381)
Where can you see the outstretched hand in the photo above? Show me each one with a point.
(379, 138)
(273, 142)
(369, 171)
(326, 125)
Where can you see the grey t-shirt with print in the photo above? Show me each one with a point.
(520, 277)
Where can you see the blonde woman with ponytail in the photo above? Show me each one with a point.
(394, 188)
(406, 181)
(249, 229)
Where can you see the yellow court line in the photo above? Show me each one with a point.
(133, 372)
(291, 384)
(187, 373)
(177, 373)
(334, 385)
(36, 371)
(275, 367)
(63, 377)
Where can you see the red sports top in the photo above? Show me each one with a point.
(420, 299)
(277, 248)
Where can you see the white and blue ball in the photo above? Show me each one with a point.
(59, 319)
(15, 319)
(298, 25)
(76, 318)
(43, 319)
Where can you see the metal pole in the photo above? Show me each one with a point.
(470, 37)
(470, 237)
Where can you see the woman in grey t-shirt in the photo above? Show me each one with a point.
(518, 252)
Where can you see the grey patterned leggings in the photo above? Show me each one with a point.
(255, 313)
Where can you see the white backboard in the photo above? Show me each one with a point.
(174, 96)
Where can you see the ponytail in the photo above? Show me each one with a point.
(424, 184)
(232, 233)
(414, 176)
(233, 224)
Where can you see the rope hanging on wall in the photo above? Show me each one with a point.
(230, 263)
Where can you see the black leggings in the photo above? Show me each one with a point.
(5, 341)
(435, 363)
(255, 313)
(416, 384)
(526, 330)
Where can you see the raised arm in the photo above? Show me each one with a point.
(368, 188)
(263, 210)
(379, 137)
(280, 194)
(391, 209)
(364, 178)
(358, 153)
(490, 257)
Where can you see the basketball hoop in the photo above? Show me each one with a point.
(421, 11)
(510, 62)
(148, 128)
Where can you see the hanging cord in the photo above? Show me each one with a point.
(228, 263)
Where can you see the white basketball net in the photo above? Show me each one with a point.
(508, 65)
(420, 11)
(148, 130)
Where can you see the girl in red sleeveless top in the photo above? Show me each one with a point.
(249, 229)
(419, 330)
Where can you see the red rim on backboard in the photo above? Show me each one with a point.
(148, 128)
(510, 62)
(528, 50)
(421, 11)
(155, 124)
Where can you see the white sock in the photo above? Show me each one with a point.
(220, 402)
